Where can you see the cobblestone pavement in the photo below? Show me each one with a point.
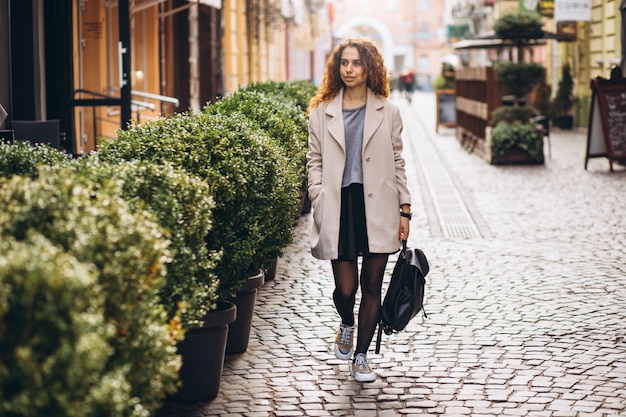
(526, 298)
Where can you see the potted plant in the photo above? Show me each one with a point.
(52, 313)
(519, 30)
(127, 253)
(247, 173)
(287, 125)
(22, 158)
(564, 100)
(299, 93)
(517, 143)
(512, 115)
(202, 351)
(182, 205)
(445, 80)
(517, 79)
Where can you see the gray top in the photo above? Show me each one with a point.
(353, 121)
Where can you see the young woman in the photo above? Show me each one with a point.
(358, 188)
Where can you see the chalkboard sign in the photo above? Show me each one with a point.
(606, 136)
(446, 111)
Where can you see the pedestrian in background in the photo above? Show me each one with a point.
(358, 188)
(407, 82)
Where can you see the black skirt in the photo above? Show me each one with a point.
(352, 227)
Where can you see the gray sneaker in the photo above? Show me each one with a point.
(360, 370)
(343, 342)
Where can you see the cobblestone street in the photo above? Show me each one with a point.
(526, 298)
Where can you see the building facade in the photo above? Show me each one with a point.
(410, 33)
(97, 66)
(595, 51)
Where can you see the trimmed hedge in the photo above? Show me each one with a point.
(127, 252)
(282, 120)
(518, 78)
(249, 175)
(523, 136)
(182, 205)
(22, 158)
(54, 345)
(299, 92)
(513, 114)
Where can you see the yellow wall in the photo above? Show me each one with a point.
(604, 37)
(254, 44)
(596, 52)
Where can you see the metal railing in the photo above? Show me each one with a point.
(99, 99)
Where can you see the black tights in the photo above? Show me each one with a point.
(344, 296)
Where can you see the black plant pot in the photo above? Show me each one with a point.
(306, 203)
(202, 352)
(565, 122)
(239, 331)
(270, 274)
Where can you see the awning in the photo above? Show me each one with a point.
(491, 41)
(150, 3)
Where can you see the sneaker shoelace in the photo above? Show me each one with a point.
(345, 335)
(361, 364)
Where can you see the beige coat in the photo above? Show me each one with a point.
(384, 178)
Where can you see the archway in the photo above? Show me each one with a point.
(381, 34)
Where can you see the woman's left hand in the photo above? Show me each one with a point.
(404, 229)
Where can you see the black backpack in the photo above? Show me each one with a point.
(405, 295)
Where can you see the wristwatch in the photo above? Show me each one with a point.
(407, 215)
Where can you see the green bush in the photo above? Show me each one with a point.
(512, 114)
(280, 119)
(564, 98)
(519, 28)
(519, 79)
(54, 345)
(248, 174)
(299, 92)
(443, 83)
(524, 136)
(182, 204)
(128, 253)
(22, 158)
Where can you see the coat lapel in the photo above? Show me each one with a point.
(335, 124)
(373, 117)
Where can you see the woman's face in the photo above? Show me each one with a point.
(352, 70)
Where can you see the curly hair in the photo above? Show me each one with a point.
(372, 59)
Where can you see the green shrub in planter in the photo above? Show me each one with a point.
(182, 204)
(519, 29)
(519, 78)
(22, 158)
(54, 348)
(249, 177)
(564, 98)
(280, 119)
(128, 252)
(523, 136)
(512, 114)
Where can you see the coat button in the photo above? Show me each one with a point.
(369, 194)
(367, 159)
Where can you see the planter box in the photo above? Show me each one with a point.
(565, 122)
(517, 156)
